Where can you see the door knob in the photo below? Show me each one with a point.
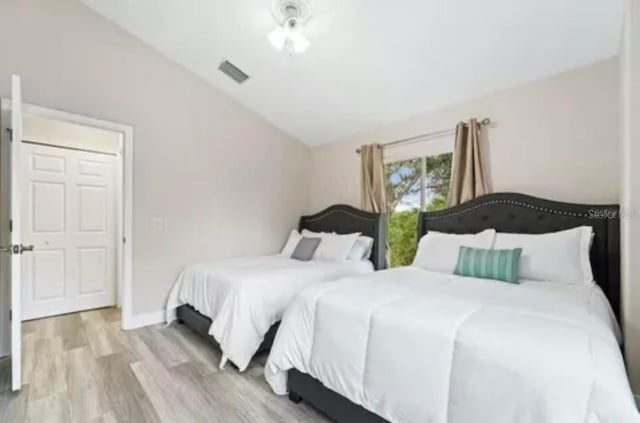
(24, 248)
(16, 249)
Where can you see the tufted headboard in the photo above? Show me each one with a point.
(520, 213)
(345, 219)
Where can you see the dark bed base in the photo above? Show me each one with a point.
(505, 212)
(335, 406)
(200, 324)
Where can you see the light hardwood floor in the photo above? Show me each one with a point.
(82, 368)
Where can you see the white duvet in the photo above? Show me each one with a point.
(418, 346)
(245, 296)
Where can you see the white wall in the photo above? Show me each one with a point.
(630, 94)
(227, 182)
(556, 138)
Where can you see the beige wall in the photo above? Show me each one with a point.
(555, 138)
(66, 134)
(630, 94)
(227, 182)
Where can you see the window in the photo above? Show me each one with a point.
(413, 185)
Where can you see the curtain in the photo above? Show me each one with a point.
(373, 187)
(467, 173)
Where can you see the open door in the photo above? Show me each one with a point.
(11, 246)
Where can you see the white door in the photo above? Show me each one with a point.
(11, 244)
(69, 211)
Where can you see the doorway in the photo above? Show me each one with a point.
(86, 173)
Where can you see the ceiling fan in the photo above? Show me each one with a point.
(290, 16)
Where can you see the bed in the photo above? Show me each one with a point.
(237, 303)
(410, 345)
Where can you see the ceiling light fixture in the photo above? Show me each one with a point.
(289, 36)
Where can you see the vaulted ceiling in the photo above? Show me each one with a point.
(372, 62)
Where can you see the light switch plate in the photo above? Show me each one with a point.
(159, 224)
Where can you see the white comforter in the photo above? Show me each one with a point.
(245, 296)
(417, 346)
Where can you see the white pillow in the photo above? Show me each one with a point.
(294, 238)
(361, 249)
(333, 247)
(439, 251)
(555, 256)
(311, 234)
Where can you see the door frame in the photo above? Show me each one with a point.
(124, 193)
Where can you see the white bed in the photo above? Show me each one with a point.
(245, 296)
(412, 345)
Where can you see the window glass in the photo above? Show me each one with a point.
(413, 185)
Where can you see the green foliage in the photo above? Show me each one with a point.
(403, 183)
(439, 202)
(439, 175)
(402, 237)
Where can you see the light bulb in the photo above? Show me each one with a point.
(278, 38)
(299, 43)
(289, 37)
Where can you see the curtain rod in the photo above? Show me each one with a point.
(483, 122)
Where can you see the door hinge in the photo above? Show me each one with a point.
(11, 225)
(10, 131)
(10, 315)
(124, 240)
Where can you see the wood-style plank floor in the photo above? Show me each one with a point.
(83, 368)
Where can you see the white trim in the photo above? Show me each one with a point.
(5, 284)
(125, 221)
(16, 234)
(146, 319)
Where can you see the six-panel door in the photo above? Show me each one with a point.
(69, 211)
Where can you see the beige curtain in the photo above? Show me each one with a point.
(373, 187)
(467, 173)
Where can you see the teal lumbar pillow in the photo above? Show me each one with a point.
(481, 263)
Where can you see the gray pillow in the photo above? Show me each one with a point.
(305, 248)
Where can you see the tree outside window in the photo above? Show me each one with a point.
(414, 185)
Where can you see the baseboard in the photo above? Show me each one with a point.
(145, 319)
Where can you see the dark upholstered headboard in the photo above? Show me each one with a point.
(519, 213)
(345, 219)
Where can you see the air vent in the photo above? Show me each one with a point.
(233, 72)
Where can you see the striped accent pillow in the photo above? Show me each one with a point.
(501, 265)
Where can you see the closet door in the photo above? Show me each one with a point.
(69, 216)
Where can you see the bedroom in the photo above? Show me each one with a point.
(221, 169)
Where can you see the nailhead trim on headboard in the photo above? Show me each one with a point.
(515, 203)
(323, 215)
